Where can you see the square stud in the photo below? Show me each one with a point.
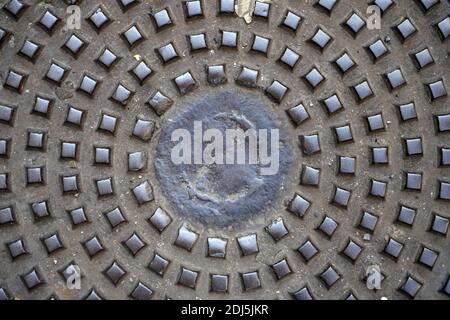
(320, 39)
(260, 44)
(405, 29)
(142, 72)
(15, 8)
(443, 28)
(74, 45)
(226, 6)
(362, 91)
(15, 80)
(56, 73)
(99, 19)
(344, 63)
(48, 21)
(298, 114)
(167, 53)
(354, 24)
(377, 50)
(88, 85)
(262, 9)
(127, 4)
(291, 21)
(289, 57)
(185, 83)
(326, 5)
(422, 58)
(395, 79)
(107, 58)
(161, 19)
(216, 74)
(30, 50)
(132, 36)
(197, 42)
(193, 9)
(229, 39)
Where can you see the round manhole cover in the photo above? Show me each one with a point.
(114, 123)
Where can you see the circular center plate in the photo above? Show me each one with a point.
(230, 193)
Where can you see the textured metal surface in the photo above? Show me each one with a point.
(365, 112)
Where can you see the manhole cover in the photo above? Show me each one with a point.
(106, 192)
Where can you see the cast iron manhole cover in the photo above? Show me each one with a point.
(354, 95)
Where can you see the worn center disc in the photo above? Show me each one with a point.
(229, 193)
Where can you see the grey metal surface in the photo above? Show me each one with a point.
(368, 132)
